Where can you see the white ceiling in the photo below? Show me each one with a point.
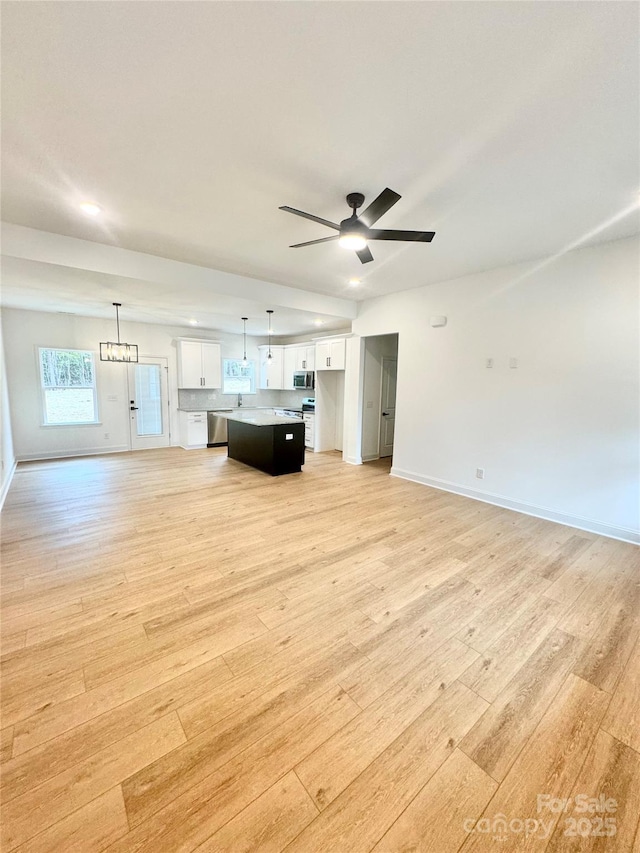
(511, 129)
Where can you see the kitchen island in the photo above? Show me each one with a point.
(271, 443)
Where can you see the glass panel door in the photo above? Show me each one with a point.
(148, 404)
(148, 397)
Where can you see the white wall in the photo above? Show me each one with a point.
(25, 331)
(312, 334)
(7, 456)
(375, 349)
(329, 414)
(558, 436)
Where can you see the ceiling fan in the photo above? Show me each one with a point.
(355, 231)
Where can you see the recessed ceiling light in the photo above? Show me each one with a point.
(193, 322)
(354, 281)
(90, 208)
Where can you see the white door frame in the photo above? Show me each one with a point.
(389, 368)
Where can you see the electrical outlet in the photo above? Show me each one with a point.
(106, 435)
(488, 362)
(480, 473)
(513, 363)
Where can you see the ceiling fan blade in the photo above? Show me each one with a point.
(313, 242)
(379, 206)
(311, 217)
(412, 236)
(365, 255)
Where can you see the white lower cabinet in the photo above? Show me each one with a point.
(193, 429)
(309, 419)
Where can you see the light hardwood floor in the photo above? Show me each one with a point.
(197, 656)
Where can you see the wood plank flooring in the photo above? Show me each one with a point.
(197, 656)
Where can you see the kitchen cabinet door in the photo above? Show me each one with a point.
(271, 370)
(331, 354)
(322, 355)
(211, 366)
(337, 354)
(193, 429)
(189, 364)
(199, 365)
(309, 360)
(290, 365)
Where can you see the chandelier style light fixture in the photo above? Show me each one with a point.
(112, 351)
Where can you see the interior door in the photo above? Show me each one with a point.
(148, 404)
(388, 400)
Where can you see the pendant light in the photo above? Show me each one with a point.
(112, 351)
(270, 312)
(244, 341)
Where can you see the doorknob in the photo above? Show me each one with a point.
(133, 408)
(384, 414)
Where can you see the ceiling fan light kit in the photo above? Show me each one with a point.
(355, 231)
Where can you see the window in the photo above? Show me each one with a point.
(237, 377)
(68, 379)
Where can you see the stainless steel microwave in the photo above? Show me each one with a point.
(303, 379)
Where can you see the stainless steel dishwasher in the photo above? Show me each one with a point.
(217, 428)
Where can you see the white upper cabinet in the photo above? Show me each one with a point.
(211, 366)
(199, 364)
(306, 357)
(297, 357)
(271, 369)
(290, 365)
(331, 354)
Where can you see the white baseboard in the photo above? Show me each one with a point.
(66, 454)
(352, 460)
(5, 486)
(589, 524)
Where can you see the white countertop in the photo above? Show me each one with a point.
(229, 409)
(258, 418)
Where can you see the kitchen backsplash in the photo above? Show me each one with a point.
(202, 401)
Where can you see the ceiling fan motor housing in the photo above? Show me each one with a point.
(355, 200)
(352, 225)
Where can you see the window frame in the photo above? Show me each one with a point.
(44, 388)
(252, 363)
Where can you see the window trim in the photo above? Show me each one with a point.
(43, 388)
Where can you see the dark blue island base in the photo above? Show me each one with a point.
(273, 446)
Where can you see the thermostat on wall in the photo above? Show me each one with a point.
(438, 321)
